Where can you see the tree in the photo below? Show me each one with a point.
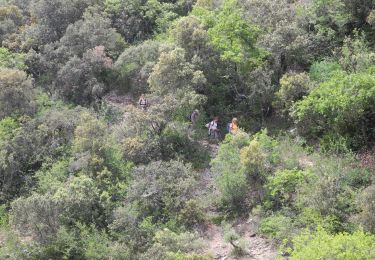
(82, 81)
(16, 93)
(94, 29)
(162, 189)
(234, 37)
(37, 216)
(38, 141)
(134, 66)
(190, 34)
(173, 73)
(11, 18)
(53, 18)
(138, 20)
(293, 87)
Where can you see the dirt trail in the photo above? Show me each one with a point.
(257, 247)
(214, 243)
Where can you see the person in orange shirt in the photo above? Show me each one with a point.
(233, 127)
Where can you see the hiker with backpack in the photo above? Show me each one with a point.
(143, 102)
(194, 118)
(213, 130)
(232, 127)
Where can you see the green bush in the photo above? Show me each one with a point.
(162, 189)
(241, 168)
(322, 245)
(192, 215)
(37, 216)
(3, 216)
(277, 227)
(367, 208)
(322, 71)
(331, 189)
(8, 126)
(12, 60)
(176, 144)
(343, 106)
(167, 243)
(17, 95)
(282, 186)
(229, 177)
(293, 87)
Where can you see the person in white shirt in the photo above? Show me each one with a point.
(143, 102)
(213, 130)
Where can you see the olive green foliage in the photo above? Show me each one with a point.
(172, 73)
(233, 36)
(277, 227)
(16, 93)
(321, 244)
(241, 168)
(334, 189)
(41, 140)
(367, 208)
(190, 34)
(53, 19)
(11, 18)
(12, 60)
(81, 81)
(162, 189)
(282, 186)
(168, 243)
(342, 105)
(134, 66)
(323, 70)
(37, 216)
(139, 20)
(227, 168)
(293, 87)
(111, 180)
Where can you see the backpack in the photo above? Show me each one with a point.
(143, 102)
(188, 117)
(228, 127)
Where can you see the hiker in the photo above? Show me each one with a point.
(233, 126)
(194, 118)
(143, 103)
(213, 131)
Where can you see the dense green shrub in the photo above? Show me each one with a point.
(331, 190)
(229, 177)
(241, 168)
(293, 87)
(12, 60)
(4, 218)
(322, 245)
(282, 186)
(192, 215)
(277, 227)
(367, 208)
(342, 105)
(176, 143)
(79, 200)
(322, 71)
(37, 216)
(16, 93)
(134, 66)
(39, 141)
(162, 189)
(167, 242)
